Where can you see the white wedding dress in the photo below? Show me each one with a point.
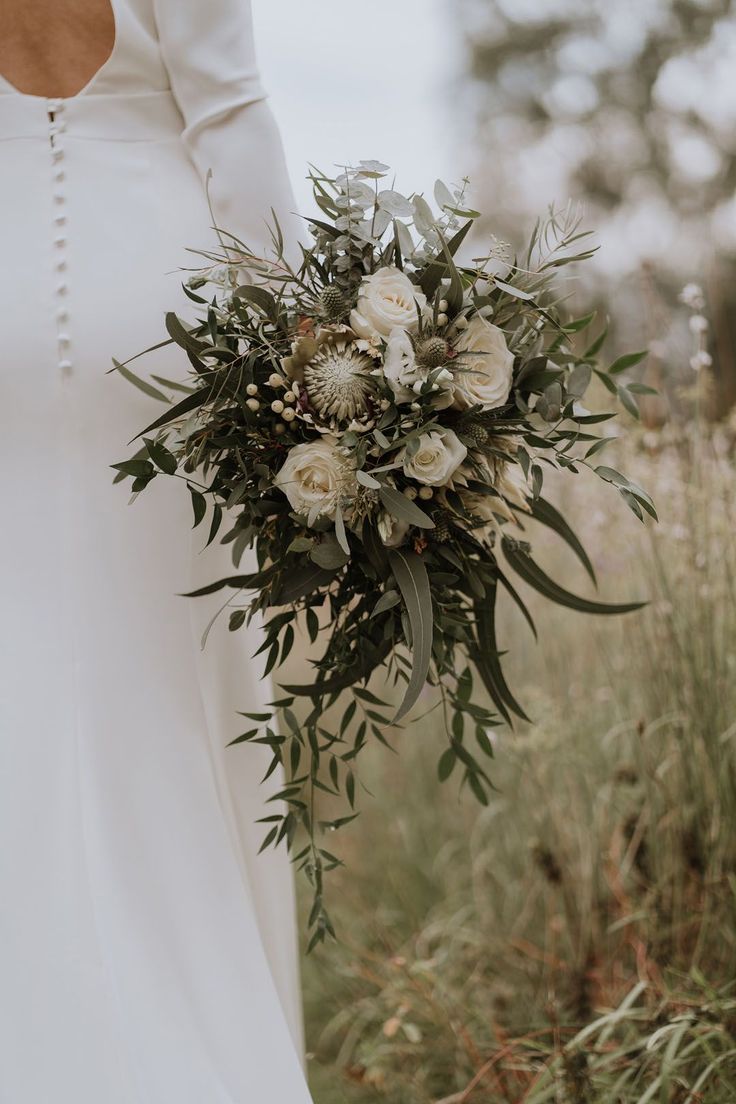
(148, 955)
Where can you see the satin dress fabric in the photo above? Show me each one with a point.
(148, 954)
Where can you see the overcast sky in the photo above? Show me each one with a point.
(374, 80)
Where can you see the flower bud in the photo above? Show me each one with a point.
(275, 380)
(277, 406)
(289, 414)
(410, 492)
(441, 319)
(253, 404)
(251, 389)
(425, 493)
(443, 305)
(289, 397)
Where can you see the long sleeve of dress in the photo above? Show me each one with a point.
(229, 129)
(209, 52)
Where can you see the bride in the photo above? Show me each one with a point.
(148, 954)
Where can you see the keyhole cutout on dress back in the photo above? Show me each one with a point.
(54, 48)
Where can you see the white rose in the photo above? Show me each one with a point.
(313, 478)
(438, 457)
(487, 369)
(386, 299)
(400, 365)
(391, 530)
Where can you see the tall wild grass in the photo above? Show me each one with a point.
(575, 941)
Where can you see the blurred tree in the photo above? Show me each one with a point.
(629, 105)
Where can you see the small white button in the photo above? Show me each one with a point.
(60, 265)
(62, 314)
(61, 289)
(64, 339)
(65, 365)
(60, 239)
(59, 219)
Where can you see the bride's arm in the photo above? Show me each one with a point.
(229, 128)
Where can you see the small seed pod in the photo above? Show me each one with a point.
(253, 404)
(433, 352)
(279, 428)
(275, 380)
(251, 389)
(442, 319)
(441, 531)
(277, 406)
(426, 493)
(332, 302)
(476, 432)
(443, 305)
(289, 414)
(410, 493)
(289, 397)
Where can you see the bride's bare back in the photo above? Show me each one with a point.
(54, 47)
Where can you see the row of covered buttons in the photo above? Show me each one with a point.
(57, 127)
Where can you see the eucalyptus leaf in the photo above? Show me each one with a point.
(403, 509)
(531, 573)
(329, 554)
(410, 573)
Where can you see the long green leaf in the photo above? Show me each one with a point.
(410, 573)
(243, 582)
(516, 597)
(187, 404)
(402, 508)
(531, 573)
(146, 387)
(300, 582)
(546, 513)
(371, 657)
(487, 658)
(181, 335)
(430, 279)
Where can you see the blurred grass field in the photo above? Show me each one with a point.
(575, 941)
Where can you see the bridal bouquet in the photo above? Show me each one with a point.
(377, 422)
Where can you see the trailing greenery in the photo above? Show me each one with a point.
(378, 422)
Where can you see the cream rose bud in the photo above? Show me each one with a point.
(487, 364)
(400, 364)
(391, 530)
(515, 487)
(438, 457)
(386, 299)
(313, 478)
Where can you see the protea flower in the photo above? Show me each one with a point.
(338, 381)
